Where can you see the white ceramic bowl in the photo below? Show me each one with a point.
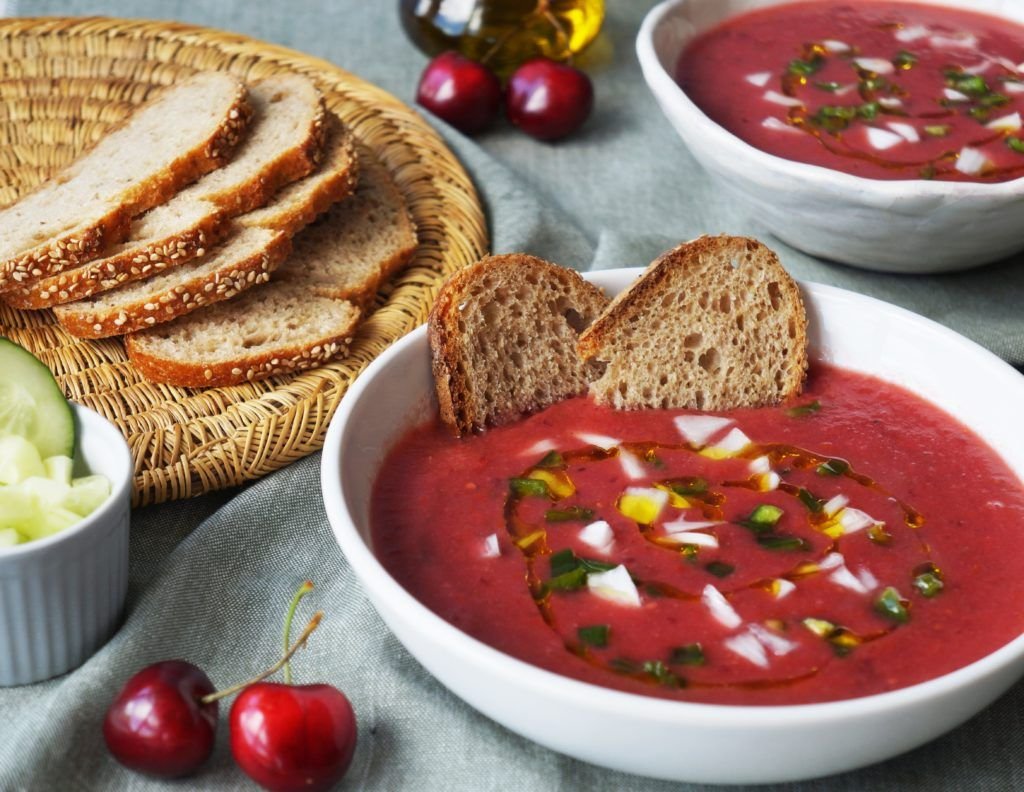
(666, 739)
(61, 597)
(912, 226)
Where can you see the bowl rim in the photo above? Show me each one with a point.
(591, 697)
(665, 87)
(87, 420)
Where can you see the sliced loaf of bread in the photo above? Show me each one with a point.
(714, 324)
(284, 144)
(88, 206)
(294, 322)
(503, 337)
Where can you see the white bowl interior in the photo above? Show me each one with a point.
(777, 743)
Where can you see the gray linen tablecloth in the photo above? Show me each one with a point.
(209, 577)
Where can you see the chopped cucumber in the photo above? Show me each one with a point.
(59, 468)
(17, 508)
(87, 494)
(9, 537)
(46, 492)
(32, 405)
(19, 460)
(51, 520)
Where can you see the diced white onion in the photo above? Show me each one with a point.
(912, 33)
(854, 520)
(598, 535)
(732, 443)
(781, 99)
(971, 161)
(631, 465)
(601, 441)
(760, 465)
(698, 429)
(979, 68)
(760, 79)
(658, 496)
(844, 89)
(955, 96)
(966, 41)
(540, 447)
(682, 524)
(491, 549)
(845, 578)
(777, 124)
(882, 139)
(615, 585)
(890, 102)
(876, 65)
(1013, 87)
(836, 47)
(1008, 123)
(834, 504)
(783, 588)
(749, 648)
(832, 561)
(907, 131)
(771, 641)
(720, 608)
(1006, 63)
(869, 581)
(770, 481)
(698, 539)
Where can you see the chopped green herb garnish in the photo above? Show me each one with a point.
(928, 584)
(691, 654)
(563, 561)
(874, 84)
(568, 581)
(595, 635)
(833, 467)
(802, 410)
(552, 459)
(938, 130)
(904, 60)
(831, 87)
(689, 552)
(994, 100)
(970, 84)
(763, 518)
(1016, 144)
(660, 672)
(570, 514)
(780, 542)
(869, 111)
(891, 605)
(720, 569)
(592, 565)
(625, 666)
(807, 498)
(805, 68)
(980, 114)
(687, 486)
(528, 487)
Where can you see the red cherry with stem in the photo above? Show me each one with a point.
(461, 91)
(293, 737)
(159, 723)
(548, 100)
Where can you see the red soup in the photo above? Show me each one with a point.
(884, 90)
(857, 541)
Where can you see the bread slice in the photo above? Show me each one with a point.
(284, 144)
(275, 329)
(503, 336)
(359, 243)
(246, 260)
(294, 322)
(714, 324)
(188, 130)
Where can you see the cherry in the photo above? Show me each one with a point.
(463, 92)
(159, 724)
(548, 100)
(289, 738)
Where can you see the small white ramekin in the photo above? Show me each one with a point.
(908, 226)
(61, 597)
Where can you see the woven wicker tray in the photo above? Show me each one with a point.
(62, 83)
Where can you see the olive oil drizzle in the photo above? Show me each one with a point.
(532, 542)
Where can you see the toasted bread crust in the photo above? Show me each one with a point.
(461, 407)
(683, 267)
(86, 242)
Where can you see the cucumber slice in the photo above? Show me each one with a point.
(32, 405)
(86, 494)
(19, 460)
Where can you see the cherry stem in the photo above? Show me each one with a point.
(304, 589)
(313, 624)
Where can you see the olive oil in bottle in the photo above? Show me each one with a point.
(503, 33)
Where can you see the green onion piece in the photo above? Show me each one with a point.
(569, 572)
(1016, 144)
(530, 488)
(570, 514)
(994, 100)
(592, 565)
(595, 635)
(833, 467)
(690, 552)
(690, 654)
(891, 605)
(970, 84)
(563, 561)
(780, 542)
(687, 486)
(660, 672)
(980, 114)
(552, 459)
(874, 84)
(804, 409)
(720, 569)
(928, 584)
(869, 111)
(813, 504)
(938, 130)
(625, 666)
(805, 68)
(904, 60)
(569, 581)
(763, 518)
(831, 87)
